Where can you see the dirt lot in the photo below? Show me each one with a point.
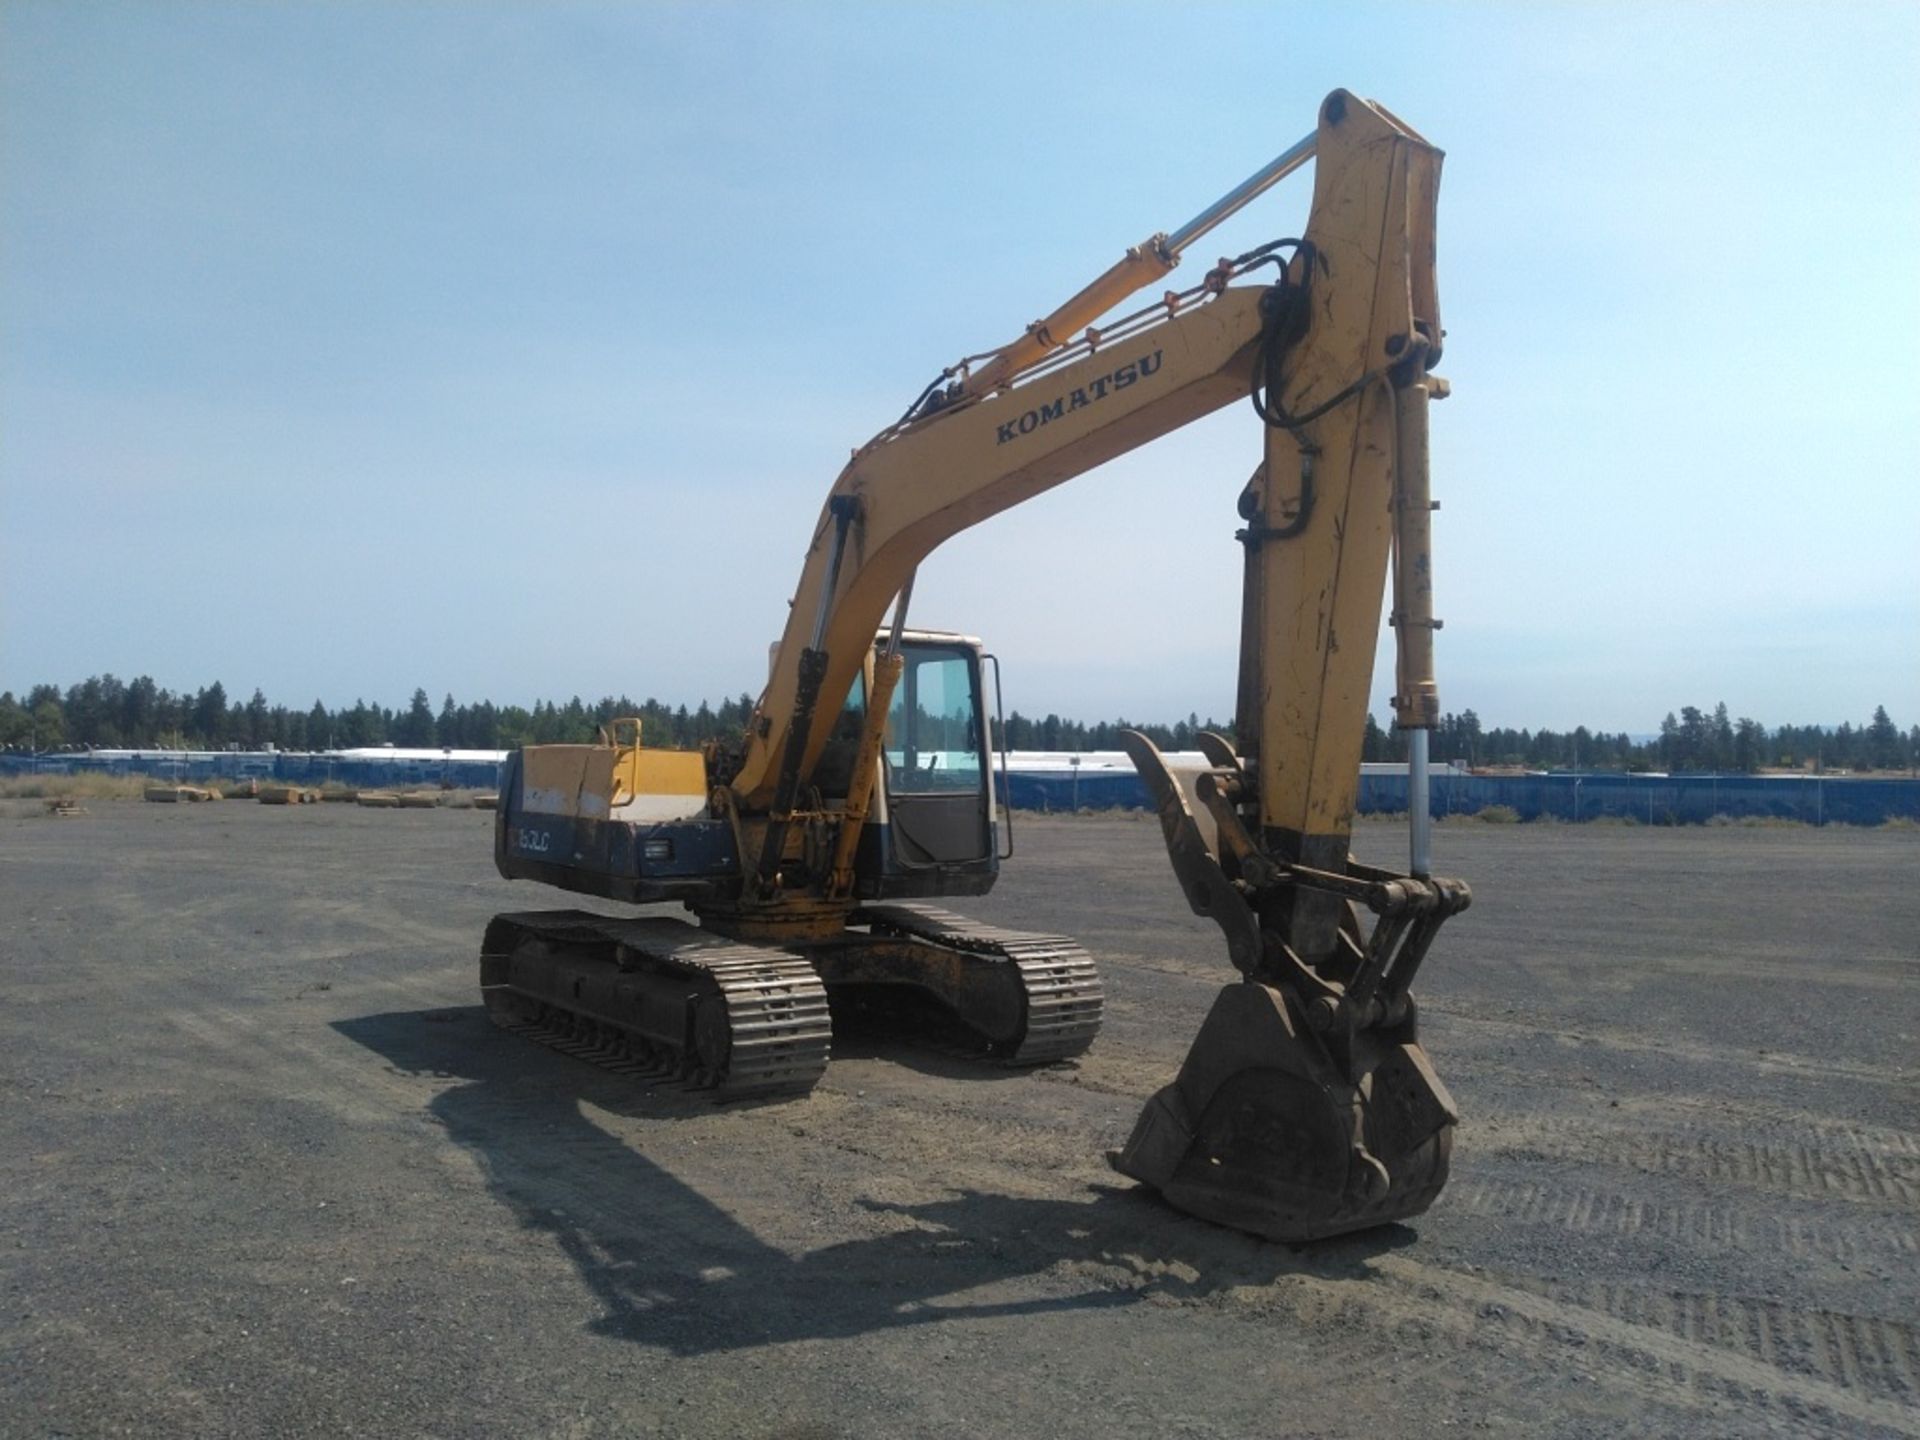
(266, 1169)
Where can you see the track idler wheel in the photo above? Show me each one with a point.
(1262, 1130)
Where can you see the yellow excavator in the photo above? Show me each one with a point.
(811, 850)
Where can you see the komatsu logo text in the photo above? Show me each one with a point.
(1063, 405)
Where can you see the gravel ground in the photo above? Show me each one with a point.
(265, 1169)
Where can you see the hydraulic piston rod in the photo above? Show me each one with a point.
(1419, 807)
(1416, 699)
(1248, 190)
(1138, 268)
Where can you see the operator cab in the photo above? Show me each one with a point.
(935, 824)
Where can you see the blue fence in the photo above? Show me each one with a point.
(1647, 799)
(253, 765)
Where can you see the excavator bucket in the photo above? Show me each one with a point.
(1306, 1106)
(1264, 1131)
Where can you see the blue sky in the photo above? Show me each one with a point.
(508, 350)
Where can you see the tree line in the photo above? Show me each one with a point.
(104, 712)
(107, 713)
(1692, 740)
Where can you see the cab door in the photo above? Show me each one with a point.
(936, 763)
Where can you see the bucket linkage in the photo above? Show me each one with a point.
(1306, 1106)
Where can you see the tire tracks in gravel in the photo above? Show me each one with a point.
(1692, 1113)
(1673, 1048)
(1688, 1352)
(1703, 1225)
(1674, 1348)
(290, 1054)
(1796, 1364)
(1671, 1348)
(297, 1061)
(286, 1065)
(1846, 1167)
(1670, 1354)
(1863, 1166)
(1874, 1355)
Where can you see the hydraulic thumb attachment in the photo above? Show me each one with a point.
(1306, 1107)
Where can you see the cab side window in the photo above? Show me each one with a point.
(933, 731)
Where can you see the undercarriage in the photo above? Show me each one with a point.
(667, 1000)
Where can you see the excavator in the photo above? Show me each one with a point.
(811, 850)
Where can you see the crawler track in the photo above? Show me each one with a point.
(659, 997)
(1063, 998)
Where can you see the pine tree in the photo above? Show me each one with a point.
(1373, 742)
(1883, 741)
(207, 726)
(256, 721)
(15, 724)
(1722, 738)
(415, 728)
(139, 711)
(47, 726)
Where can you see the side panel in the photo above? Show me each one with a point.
(599, 782)
(659, 784)
(616, 859)
(560, 779)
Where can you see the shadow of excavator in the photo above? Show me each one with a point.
(672, 1268)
